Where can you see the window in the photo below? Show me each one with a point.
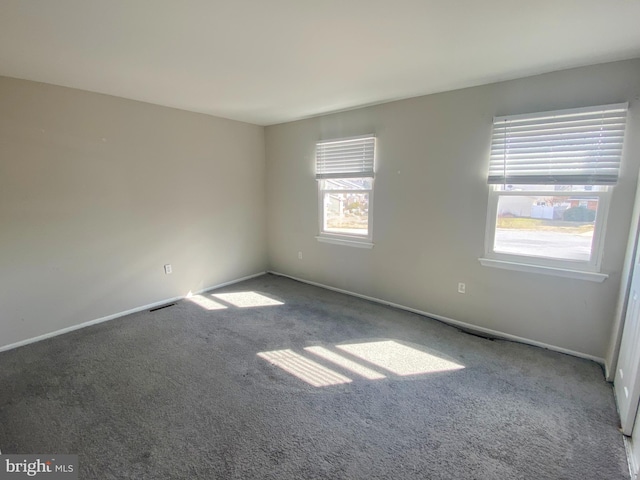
(551, 177)
(344, 171)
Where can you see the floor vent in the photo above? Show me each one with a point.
(163, 306)
(477, 334)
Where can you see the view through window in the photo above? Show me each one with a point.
(557, 224)
(346, 205)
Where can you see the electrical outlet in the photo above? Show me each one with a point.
(299, 255)
(167, 269)
(462, 288)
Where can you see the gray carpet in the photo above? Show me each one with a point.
(212, 390)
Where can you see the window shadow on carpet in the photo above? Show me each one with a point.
(371, 360)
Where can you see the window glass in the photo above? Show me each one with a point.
(551, 226)
(346, 213)
(345, 205)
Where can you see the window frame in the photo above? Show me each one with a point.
(355, 170)
(597, 244)
(570, 147)
(344, 238)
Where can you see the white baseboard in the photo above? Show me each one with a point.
(119, 314)
(451, 321)
(608, 374)
(633, 462)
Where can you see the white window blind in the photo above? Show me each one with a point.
(346, 158)
(570, 147)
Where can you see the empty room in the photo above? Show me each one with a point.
(309, 240)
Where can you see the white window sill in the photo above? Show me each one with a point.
(345, 241)
(558, 272)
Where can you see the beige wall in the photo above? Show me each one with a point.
(430, 208)
(97, 193)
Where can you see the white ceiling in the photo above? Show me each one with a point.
(271, 61)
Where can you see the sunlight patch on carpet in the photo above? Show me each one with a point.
(400, 359)
(205, 302)
(247, 299)
(307, 370)
(345, 363)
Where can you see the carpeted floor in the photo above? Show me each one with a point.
(290, 381)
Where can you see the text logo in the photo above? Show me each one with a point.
(45, 467)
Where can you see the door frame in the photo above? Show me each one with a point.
(611, 359)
